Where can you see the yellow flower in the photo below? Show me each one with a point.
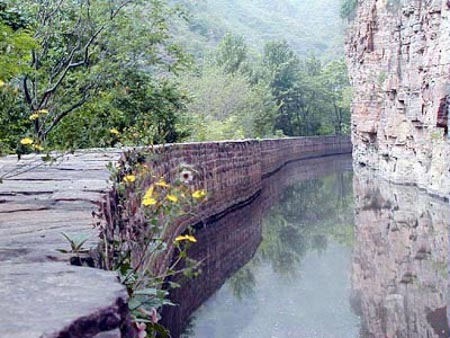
(148, 199)
(26, 141)
(129, 179)
(114, 131)
(189, 238)
(162, 183)
(2, 83)
(149, 192)
(34, 116)
(38, 147)
(199, 194)
(43, 111)
(172, 198)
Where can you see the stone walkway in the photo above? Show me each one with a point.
(41, 295)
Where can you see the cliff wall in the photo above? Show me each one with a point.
(399, 62)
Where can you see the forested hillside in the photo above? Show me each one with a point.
(96, 73)
(305, 24)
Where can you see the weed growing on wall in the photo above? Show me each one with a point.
(135, 221)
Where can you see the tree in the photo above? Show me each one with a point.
(338, 94)
(84, 44)
(231, 53)
(282, 66)
(312, 99)
(228, 106)
(132, 109)
(16, 43)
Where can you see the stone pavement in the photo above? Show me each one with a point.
(41, 294)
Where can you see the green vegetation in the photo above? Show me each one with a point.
(237, 96)
(307, 25)
(103, 73)
(109, 73)
(135, 222)
(79, 60)
(348, 9)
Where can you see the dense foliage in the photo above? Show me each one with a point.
(103, 73)
(305, 24)
(237, 95)
(81, 58)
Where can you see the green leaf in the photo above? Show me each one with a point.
(134, 304)
(147, 292)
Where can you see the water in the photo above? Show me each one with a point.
(322, 252)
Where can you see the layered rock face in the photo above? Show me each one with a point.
(399, 62)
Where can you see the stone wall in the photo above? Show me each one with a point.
(232, 172)
(399, 62)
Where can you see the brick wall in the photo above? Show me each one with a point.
(232, 172)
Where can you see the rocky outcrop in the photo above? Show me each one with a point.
(399, 62)
(400, 273)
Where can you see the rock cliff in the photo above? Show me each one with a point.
(399, 62)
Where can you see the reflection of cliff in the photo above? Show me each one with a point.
(400, 262)
(228, 243)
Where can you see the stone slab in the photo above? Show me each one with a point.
(41, 294)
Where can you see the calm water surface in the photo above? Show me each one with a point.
(322, 252)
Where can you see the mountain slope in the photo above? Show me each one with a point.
(305, 24)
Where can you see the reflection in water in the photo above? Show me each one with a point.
(400, 262)
(306, 225)
(314, 256)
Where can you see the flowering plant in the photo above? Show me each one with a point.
(135, 231)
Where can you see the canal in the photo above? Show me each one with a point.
(323, 251)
